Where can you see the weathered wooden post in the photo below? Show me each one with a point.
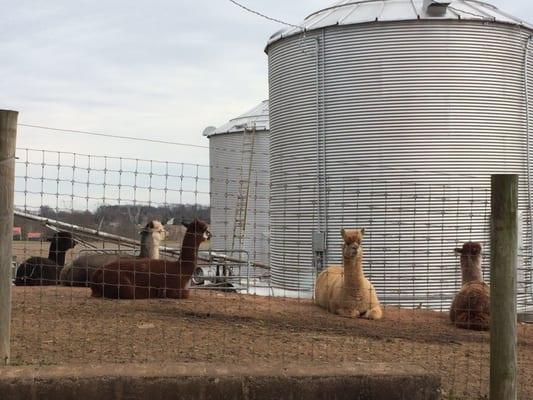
(503, 265)
(8, 138)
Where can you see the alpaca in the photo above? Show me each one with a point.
(346, 291)
(78, 272)
(471, 306)
(40, 271)
(145, 278)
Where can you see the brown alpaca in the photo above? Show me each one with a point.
(471, 306)
(346, 291)
(144, 278)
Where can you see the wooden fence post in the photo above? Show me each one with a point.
(503, 265)
(8, 138)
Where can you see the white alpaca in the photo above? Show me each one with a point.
(346, 291)
(78, 273)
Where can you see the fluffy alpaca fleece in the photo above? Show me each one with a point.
(346, 291)
(471, 306)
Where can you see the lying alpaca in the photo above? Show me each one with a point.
(471, 306)
(40, 271)
(78, 272)
(144, 278)
(346, 291)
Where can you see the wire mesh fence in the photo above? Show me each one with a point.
(251, 295)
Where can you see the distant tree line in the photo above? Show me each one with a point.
(123, 220)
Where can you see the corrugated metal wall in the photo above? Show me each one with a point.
(225, 160)
(395, 127)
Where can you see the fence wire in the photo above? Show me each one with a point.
(257, 305)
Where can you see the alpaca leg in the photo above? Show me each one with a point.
(373, 313)
(97, 284)
(348, 312)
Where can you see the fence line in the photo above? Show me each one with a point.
(249, 314)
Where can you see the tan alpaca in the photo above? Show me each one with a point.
(471, 306)
(346, 291)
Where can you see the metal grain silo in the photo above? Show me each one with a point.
(239, 187)
(391, 115)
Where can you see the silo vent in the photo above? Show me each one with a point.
(436, 8)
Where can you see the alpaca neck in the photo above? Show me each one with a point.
(471, 269)
(189, 254)
(57, 256)
(149, 247)
(353, 270)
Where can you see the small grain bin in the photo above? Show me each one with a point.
(238, 153)
(392, 115)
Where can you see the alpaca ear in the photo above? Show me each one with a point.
(362, 231)
(343, 233)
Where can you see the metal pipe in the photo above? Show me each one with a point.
(528, 153)
(324, 152)
(124, 240)
(317, 105)
(320, 148)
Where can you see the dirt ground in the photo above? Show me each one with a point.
(59, 325)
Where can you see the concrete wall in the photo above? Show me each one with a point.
(213, 382)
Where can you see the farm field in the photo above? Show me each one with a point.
(59, 325)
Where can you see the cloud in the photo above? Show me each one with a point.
(166, 67)
(160, 69)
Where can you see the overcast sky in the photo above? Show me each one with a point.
(160, 68)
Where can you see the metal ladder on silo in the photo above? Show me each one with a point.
(243, 195)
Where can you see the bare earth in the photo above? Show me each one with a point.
(59, 325)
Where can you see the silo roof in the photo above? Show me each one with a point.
(257, 116)
(348, 12)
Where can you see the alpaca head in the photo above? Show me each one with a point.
(352, 241)
(470, 261)
(155, 229)
(469, 249)
(198, 230)
(62, 241)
